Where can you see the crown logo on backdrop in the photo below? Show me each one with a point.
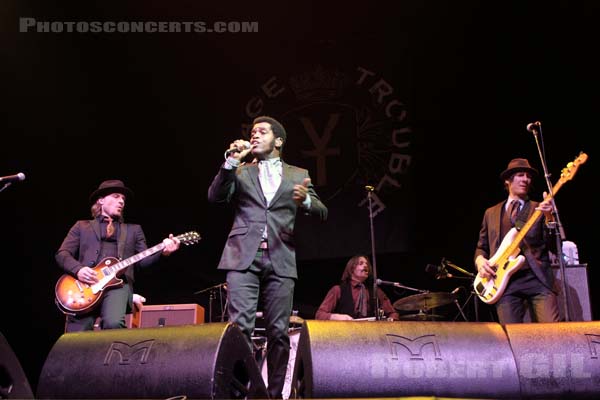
(317, 85)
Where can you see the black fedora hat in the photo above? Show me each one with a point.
(517, 165)
(110, 186)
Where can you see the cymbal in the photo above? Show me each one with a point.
(421, 317)
(424, 301)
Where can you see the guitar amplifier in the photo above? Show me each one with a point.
(152, 316)
(578, 293)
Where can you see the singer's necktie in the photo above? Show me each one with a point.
(514, 211)
(269, 174)
(110, 228)
(361, 304)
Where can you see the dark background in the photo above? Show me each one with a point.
(158, 110)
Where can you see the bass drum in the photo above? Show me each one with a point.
(287, 387)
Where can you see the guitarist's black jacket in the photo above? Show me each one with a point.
(83, 246)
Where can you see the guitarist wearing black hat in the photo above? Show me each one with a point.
(90, 241)
(532, 284)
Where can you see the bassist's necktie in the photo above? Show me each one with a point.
(514, 211)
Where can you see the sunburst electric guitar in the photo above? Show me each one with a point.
(507, 260)
(75, 297)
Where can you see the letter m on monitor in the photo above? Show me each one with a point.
(126, 354)
(414, 346)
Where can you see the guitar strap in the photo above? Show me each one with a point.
(121, 241)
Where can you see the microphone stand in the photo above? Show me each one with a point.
(211, 297)
(375, 299)
(7, 184)
(556, 225)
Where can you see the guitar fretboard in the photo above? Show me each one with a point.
(133, 259)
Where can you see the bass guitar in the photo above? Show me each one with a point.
(75, 297)
(507, 260)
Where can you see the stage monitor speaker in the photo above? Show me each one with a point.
(13, 382)
(557, 360)
(209, 361)
(346, 359)
(152, 316)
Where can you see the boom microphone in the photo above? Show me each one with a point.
(534, 127)
(380, 282)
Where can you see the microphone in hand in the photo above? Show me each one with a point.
(238, 149)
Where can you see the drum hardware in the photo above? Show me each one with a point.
(262, 362)
(424, 301)
(441, 272)
(212, 296)
(296, 320)
(421, 316)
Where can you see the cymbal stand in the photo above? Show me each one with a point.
(471, 276)
(460, 308)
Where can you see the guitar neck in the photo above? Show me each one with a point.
(530, 222)
(138, 257)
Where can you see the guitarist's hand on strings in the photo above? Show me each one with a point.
(87, 275)
(484, 268)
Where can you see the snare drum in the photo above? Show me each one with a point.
(287, 386)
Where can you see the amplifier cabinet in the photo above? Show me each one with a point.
(152, 316)
(578, 293)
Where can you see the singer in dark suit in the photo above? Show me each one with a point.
(259, 254)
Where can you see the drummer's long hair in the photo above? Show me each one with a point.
(351, 264)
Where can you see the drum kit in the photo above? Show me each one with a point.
(423, 303)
